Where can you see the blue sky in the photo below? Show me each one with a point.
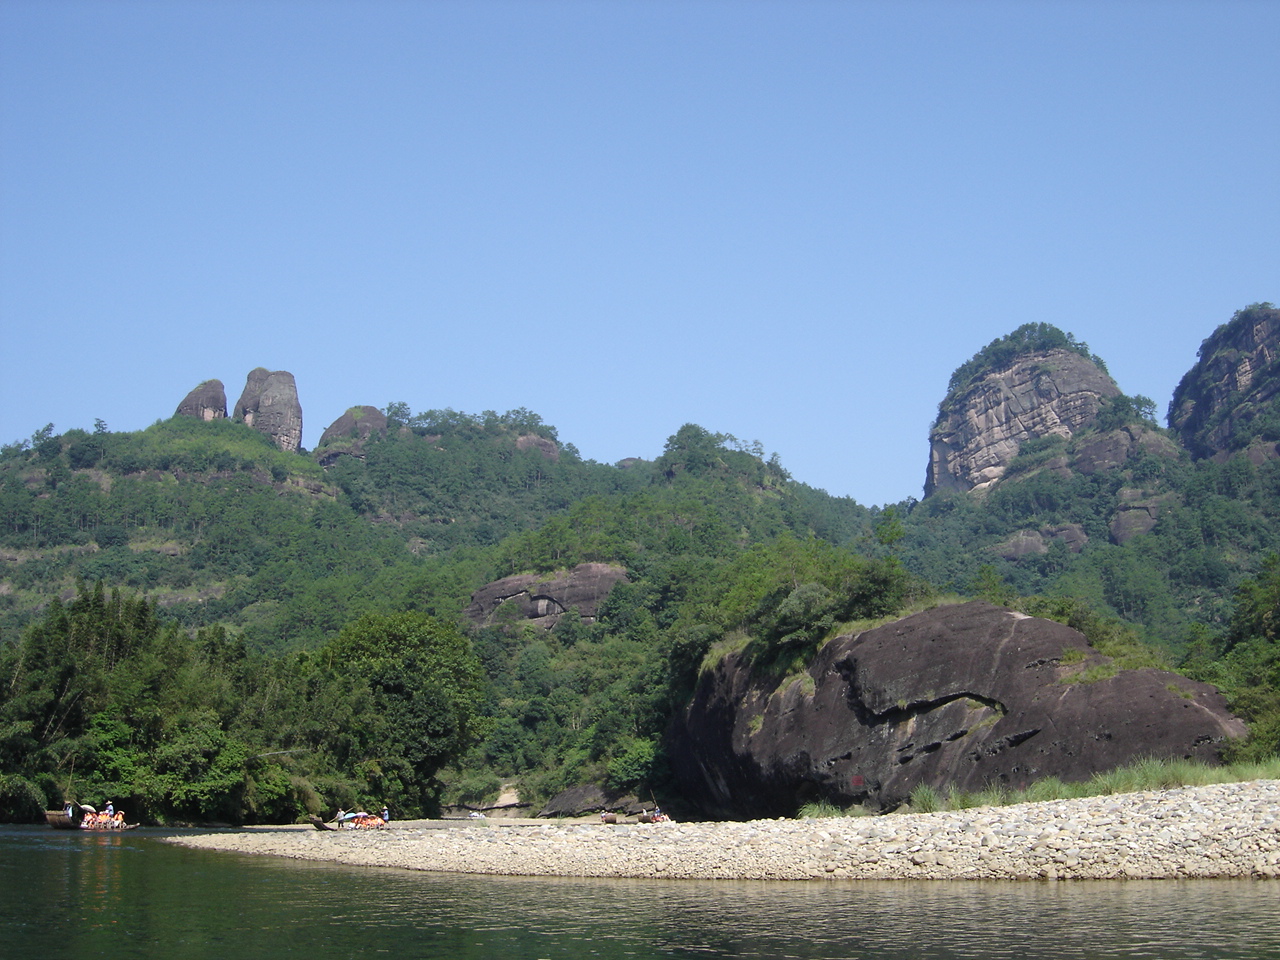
(785, 221)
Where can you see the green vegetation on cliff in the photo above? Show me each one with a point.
(1000, 354)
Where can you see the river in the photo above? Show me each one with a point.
(85, 895)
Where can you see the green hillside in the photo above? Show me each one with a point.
(213, 629)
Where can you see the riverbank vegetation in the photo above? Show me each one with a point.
(1144, 776)
(104, 700)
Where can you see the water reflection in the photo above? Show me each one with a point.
(120, 896)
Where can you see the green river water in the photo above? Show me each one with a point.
(80, 895)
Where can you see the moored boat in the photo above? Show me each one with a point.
(61, 820)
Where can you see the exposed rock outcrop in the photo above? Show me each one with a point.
(532, 441)
(270, 405)
(1114, 448)
(961, 696)
(1039, 394)
(348, 434)
(544, 599)
(1037, 542)
(1137, 513)
(1230, 400)
(206, 402)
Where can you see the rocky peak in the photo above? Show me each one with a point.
(1228, 400)
(1037, 382)
(348, 434)
(206, 402)
(270, 405)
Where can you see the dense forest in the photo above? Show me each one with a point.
(205, 628)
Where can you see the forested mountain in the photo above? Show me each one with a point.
(263, 570)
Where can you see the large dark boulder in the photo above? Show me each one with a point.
(270, 405)
(960, 696)
(543, 599)
(206, 402)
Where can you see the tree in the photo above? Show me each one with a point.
(1257, 613)
(427, 688)
(889, 530)
(398, 414)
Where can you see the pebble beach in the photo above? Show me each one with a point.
(1221, 831)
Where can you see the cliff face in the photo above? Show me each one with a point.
(961, 696)
(1040, 394)
(270, 405)
(1230, 399)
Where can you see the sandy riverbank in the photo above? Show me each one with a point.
(1219, 831)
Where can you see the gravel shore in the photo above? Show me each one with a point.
(1221, 831)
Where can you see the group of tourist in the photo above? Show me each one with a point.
(360, 820)
(108, 818)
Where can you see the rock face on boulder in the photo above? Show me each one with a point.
(270, 405)
(348, 434)
(590, 798)
(206, 402)
(960, 696)
(1039, 394)
(1230, 400)
(545, 599)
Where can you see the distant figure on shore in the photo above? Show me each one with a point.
(386, 814)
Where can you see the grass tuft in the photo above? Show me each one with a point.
(825, 810)
(925, 799)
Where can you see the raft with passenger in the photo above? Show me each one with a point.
(360, 821)
(82, 816)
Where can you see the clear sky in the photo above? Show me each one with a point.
(788, 221)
